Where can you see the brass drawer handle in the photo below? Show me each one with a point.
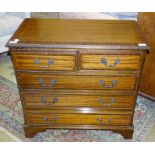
(100, 100)
(104, 61)
(100, 120)
(53, 121)
(50, 62)
(42, 82)
(44, 100)
(113, 83)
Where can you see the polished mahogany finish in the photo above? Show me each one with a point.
(77, 32)
(109, 62)
(54, 81)
(77, 119)
(49, 62)
(61, 100)
(78, 74)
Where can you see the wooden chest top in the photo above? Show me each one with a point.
(77, 33)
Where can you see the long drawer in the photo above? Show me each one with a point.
(77, 119)
(48, 62)
(30, 80)
(109, 62)
(55, 100)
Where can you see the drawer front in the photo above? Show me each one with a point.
(44, 62)
(77, 100)
(28, 80)
(109, 62)
(77, 119)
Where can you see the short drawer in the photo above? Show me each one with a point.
(77, 119)
(42, 100)
(49, 62)
(27, 80)
(109, 62)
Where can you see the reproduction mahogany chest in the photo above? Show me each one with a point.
(78, 74)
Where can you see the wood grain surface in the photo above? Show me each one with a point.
(76, 82)
(57, 100)
(85, 119)
(84, 32)
(94, 61)
(29, 61)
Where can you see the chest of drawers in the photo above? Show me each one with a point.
(78, 74)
